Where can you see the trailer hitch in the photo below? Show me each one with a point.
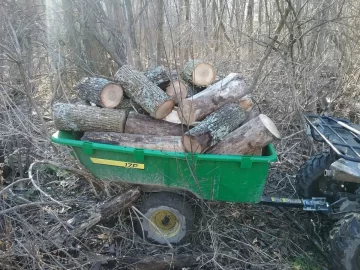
(316, 204)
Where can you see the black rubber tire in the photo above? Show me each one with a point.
(168, 201)
(311, 174)
(344, 243)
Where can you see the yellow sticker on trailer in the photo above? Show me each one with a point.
(110, 162)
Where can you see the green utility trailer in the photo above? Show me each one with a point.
(171, 180)
(210, 177)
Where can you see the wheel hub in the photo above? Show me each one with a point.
(165, 223)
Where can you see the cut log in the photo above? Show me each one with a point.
(130, 105)
(255, 134)
(193, 90)
(100, 91)
(228, 90)
(173, 117)
(251, 114)
(257, 152)
(144, 92)
(246, 103)
(213, 128)
(158, 76)
(146, 125)
(162, 143)
(177, 89)
(199, 73)
(83, 118)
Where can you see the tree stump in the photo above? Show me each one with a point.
(199, 73)
(100, 92)
(144, 92)
(71, 117)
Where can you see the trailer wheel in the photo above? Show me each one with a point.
(345, 243)
(169, 218)
(310, 179)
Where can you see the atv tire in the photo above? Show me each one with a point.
(345, 243)
(311, 174)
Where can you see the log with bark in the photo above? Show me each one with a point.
(158, 76)
(162, 143)
(193, 90)
(169, 82)
(144, 92)
(100, 91)
(177, 89)
(199, 73)
(173, 117)
(72, 117)
(214, 128)
(146, 125)
(105, 211)
(253, 135)
(130, 105)
(229, 90)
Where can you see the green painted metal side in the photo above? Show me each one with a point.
(212, 177)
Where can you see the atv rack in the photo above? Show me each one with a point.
(342, 136)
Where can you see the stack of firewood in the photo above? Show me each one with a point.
(160, 110)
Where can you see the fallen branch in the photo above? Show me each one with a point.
(25, 205)
(105, 211)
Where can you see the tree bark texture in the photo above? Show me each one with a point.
(214, 128)
(146, 125)
(130, 105)
(151, 142)
(199, 73)
(144, 92)
(158, 76)
(248, 138)
(100, 91)
(83, 118)
(231, 89)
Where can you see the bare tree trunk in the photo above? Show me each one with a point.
(260, 16)
(131, 29)
(269, 49)
(187, 24)
(250, 25)
(204, 17)
(160, 30)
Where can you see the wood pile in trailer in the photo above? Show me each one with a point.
(159, 109)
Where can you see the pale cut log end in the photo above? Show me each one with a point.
(177, 89)
(164, 109)
(191, 144)
(173, 117)
(204, 74)
(246, 103)
(111, 95)
(186, 112)
(269, 124)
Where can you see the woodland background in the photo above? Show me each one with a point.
(296, 55)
